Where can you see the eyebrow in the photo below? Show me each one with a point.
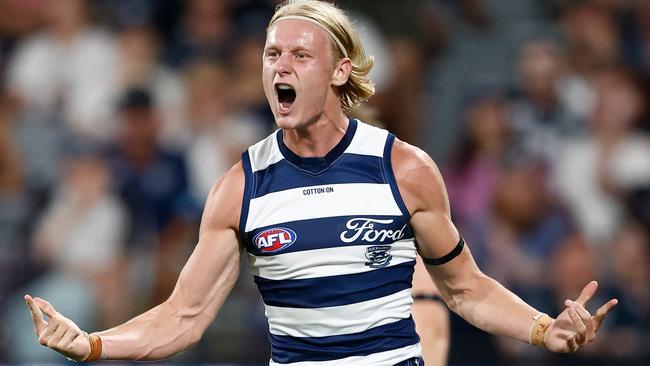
(292, 49)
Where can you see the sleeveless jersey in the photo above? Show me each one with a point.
(331, 251)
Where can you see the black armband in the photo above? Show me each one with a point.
(446, 258)
(428, 297)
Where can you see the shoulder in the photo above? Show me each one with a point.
(223, 205)
(418, 177)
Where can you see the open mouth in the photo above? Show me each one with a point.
(286, 97)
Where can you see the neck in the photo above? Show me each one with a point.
(317, 138)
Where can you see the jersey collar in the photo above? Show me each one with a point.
(317, 165)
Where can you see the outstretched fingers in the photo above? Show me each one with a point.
(37, 316)
(587, 293)
(602, 313)
(46, 307)
(583, 322)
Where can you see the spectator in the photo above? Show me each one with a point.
(205, 31)
(630, 262)
(527, 227)
(592, 46)
(476, 168)
(245, 86)
(18, 206)
(152, 181)
(596, 172)
(68, 68)
(541, 120)
(139, 67)
(221, 133)
(79, 240)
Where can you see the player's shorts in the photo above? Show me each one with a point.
(415, 361)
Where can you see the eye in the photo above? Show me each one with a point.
(272, 54)
(301, 55)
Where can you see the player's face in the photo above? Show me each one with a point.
(297, 72)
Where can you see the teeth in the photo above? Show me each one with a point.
(284, 87)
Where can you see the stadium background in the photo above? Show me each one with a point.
(117, 115)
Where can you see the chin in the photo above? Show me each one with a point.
(287, 122)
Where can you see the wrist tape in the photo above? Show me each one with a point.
(539, 329)
(95, 348)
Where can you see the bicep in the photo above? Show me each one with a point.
(424, 193)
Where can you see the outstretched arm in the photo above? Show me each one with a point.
(476, 297)
(180, 321)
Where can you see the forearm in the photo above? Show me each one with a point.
(179, 322)
(488, 305)
(158, 333)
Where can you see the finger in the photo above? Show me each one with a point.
(46, 307)
(47, 333)
(67, 339)
(67, 343)
(579, 326)
(586, 319)
(53, 341)
(587, 292)
(602, 313)
(37, 316)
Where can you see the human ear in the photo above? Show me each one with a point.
(342, 71)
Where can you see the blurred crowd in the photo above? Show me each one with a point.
(117, 116)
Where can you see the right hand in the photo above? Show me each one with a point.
(58, 332)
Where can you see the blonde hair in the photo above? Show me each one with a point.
(345, 43)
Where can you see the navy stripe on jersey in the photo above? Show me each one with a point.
(306, 240)
(248, 187)
(336, 290)
(285, 349)
(350, 168)
(388, 148)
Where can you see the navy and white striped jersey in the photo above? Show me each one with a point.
(331, 251)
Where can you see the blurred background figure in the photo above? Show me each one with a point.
(117, 117)
(58, 69)
(152, 180)
(220, 131)
(79, 243)
(598, 171)
(139, 66)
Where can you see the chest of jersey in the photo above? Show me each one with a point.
(330, 249)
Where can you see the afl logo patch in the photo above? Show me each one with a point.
(275, 239)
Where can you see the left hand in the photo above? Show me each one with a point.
(575, 326)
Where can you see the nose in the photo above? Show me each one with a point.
(282, 64)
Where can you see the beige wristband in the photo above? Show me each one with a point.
(539, 329)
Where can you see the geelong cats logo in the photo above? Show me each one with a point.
(364, 228)
(275, 239)
(378, 256)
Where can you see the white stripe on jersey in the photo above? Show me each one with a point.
(368, 140)
(325, 262)
(352, 199)
(265, 153)
(387, 358)
(338, 320)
